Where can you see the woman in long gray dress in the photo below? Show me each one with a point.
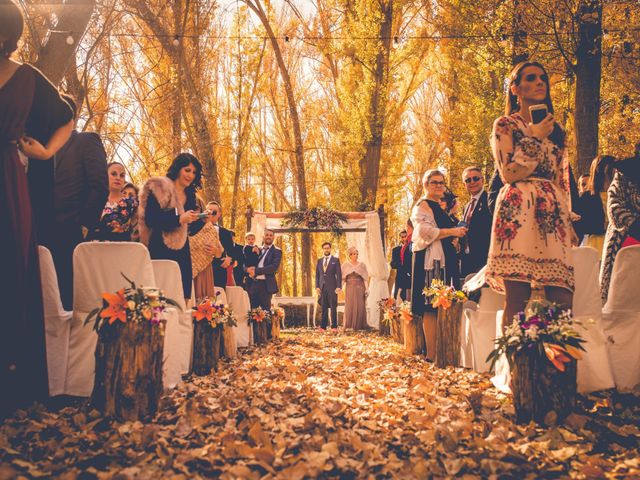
(355, 277)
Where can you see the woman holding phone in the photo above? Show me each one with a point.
(167, 214)
(531, 234)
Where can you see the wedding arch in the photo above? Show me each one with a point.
(363, 230)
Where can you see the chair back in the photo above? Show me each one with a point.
(490, 301)
(625, 277)
(586, 297)
(99, 267)
(169, 280)
(49, 280)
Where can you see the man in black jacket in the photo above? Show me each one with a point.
(328, 285)
(478, 217)
(81, 190)
(263, 276)
(401, 261)
(220, 265)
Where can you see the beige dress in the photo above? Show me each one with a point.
(531, 236)
(201, 262)
(355, 278)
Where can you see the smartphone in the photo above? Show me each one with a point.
(203, 215)
(462, 223)
(538, 113)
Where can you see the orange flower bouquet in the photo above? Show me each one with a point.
(394, 314)
(442, 295)
(209, 319)
(259, 319)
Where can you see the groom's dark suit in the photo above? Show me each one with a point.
(328, 279)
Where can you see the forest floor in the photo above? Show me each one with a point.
(330, 406)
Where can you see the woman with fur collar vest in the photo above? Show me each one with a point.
(167, 214)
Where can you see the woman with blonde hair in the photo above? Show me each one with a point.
(355, 277)
(434, 253)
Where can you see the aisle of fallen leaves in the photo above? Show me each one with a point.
(330, 406)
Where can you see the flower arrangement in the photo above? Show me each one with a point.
(131, 304)
(277, 314)
(258, 315)
(215, 313)
(394, 311)
(442, 295)
(544, 326)
(316, 218)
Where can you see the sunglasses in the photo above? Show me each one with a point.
(472, 179)
(436, 183)
(532, 76)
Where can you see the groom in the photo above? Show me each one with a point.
(328, 285)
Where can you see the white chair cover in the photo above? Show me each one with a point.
(483, 324)
(178, 342)
(239, 302)
(466, 344)
(502, 372)
(57, 323)
(594, 370)
(621, 318)
(98, 268)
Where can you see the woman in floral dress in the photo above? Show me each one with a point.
(117, 221)
(532, 233)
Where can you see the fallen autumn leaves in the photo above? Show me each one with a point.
(331, 406)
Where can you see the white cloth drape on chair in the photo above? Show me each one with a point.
(621, 318)
(594, 370)
(98, 268)
(239, 302)
(57, 324)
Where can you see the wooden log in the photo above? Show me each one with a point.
(397, 330)
(206, 347)
(128, 375)
(229, 345)
(259, 332)
(275, 328)
(414, 342)
(383, 327)
(539, 388)
(448, 341)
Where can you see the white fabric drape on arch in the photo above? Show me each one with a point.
(369, 245)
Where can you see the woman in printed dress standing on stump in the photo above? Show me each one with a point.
(532, 233)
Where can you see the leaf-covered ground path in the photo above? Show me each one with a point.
(330, 406)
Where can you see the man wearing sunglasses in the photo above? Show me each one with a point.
(477, 216)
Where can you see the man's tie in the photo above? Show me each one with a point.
(326, 262)
(469, 214)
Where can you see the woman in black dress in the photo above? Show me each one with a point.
(35, 119)
(167, 214)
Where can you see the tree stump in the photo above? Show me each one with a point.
(229, 345)
(206, 347)
(397, 327)
(414, 341)
(540, 388)
(260, 329)
(275, 327)
(448, 335)
(128, 376)
(384, 327)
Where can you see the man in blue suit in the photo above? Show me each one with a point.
(328, 285)
(264, 283)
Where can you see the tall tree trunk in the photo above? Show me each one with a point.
(202, 136)
(588, 71)
(298, 169)
(519, 51)
(370, 162)
(176, 121)
(56, 54)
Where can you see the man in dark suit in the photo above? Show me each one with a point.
(478, 217)
(401, 257)
(238, 261)
(263, 276)
(221, 264)
(80, 192)
(328, 285)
